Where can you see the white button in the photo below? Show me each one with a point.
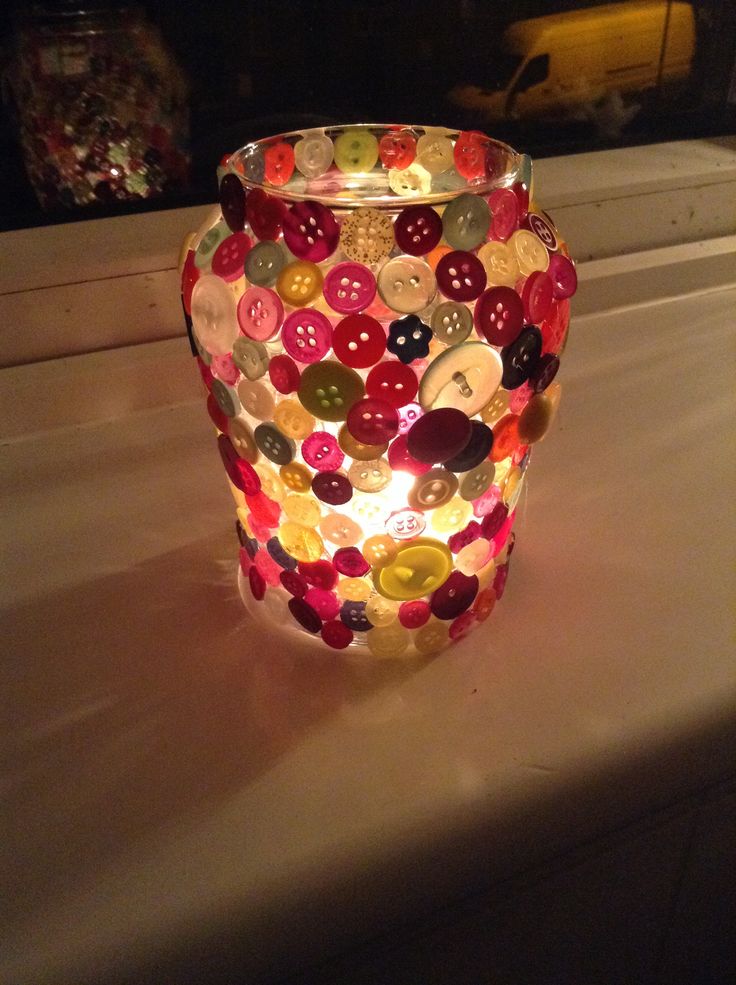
(531, 253)
(410, 182)
(465, 377)
(499, 263)
(434, 152)
(473, 556)
(406, 284)
(313, 154)
(214, 315)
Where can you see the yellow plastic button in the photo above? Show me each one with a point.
(381, 611)
(302, 509)
(367, 235)
(496, 407)
(299, 282)
(433, 489)
(432, 637)
(256, 398)
(340, 530)
(379, 550)
(370, 509)
(500, 264)
(291, 418)
(512, 487)
(356, 151)
(243, 439)
(271, 484)
(451, 517)
(354, 589)
(537, 416)
(296, 476)
(303, 543)
(370, 476)
(412, 181)
(473, 556)
(465, 377)
(420, 566)
(357, 449)
(388, 641)
(531, 253)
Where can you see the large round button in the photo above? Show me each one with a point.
(499, 315)
(476, 450)
(240, 472)
(278, 160)
(229, 258)
(257, 399)
(299, 283)
(476, 481)
(313, 154)
(433, 489)
(452, 322)
(419, 568)
(465, 221)
(213, 315)
(356, 151)
(322, 452)
(505, 213)
(232, 202)
(294, 583)
(500, 264)
(359, 341)
(373, 421)
(520, 359)
(349, 287)
(293, 419)
(311, 231)
(264, 213)
(464, 377)
(296, 476)
(243, 439)
(367, 235)
(418, 229)
(328, 390)
(370, 477)
(393, 382)
(340, 530)
(307, 335)
(302, 509)
(407, 284)
(439, 435)
(409, 338)
(460, 276)
(303, 543)
(260, 312)
(564, 278)
(284, 374)
(250, 357)
(264, 263)
(435, 151)
(274, 445)
(398, 149)
(531, 253)
(454, 596)
(537, 296)
(358, 449)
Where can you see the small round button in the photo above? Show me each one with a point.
(209, 243)
(213, 315)
(257, 399)
(358, 449)
(408, 415)
(476, 481)
(536, 418)
(418, 229)
(500, 264)
(413, 615)
(476, 450)
(240, 472)
(484, 604)
(469, 154)
(388, 642)
(438, 435)
(452, 322)
(381, 611)
(350, 562)
(499, 315)
(359, 341)
(370, 477)
(406, 524)
(454, 596)
(504, 212)
(305, 615)
(252, 164)
(302, 509)
(264, 263)
(296, 476)
(419, 568)
(332, 488)
(401, 460)
(275, 446)
(226, 397)
(284, 374)
(379, 549)
(432, 638)
(398, 148)
(462, 538)
(324, 603)
(278, 160)
(373, 421)
(299, 283)
(232, 202)
(547, 369)
(407, 284)
(355, 589)
(435, 151)
(328, 390)
(505, 437)
(303, 543)
(460, 276)
(370, 509)
(311, 231)
(564, 278)
(322, 452)
(271, 484)
(291, 418)
(313, 154)
(463, 625)
(263, 509)
(464, 377)
(264, 213)
(336, 634)
(250, 357)
(257, 583)
(409, 338)
(411, 181)
(217, 417)
(352, 614)
(537, 296)
(229, 257)
(554, 327)
(285, 561)
(531, 253)
(433, 489)
(356, 151)
(307, 335)
(294, 583)
(520, 359)
(225, 369)
(465, 221)
(393, 382)
(340, 530)
(349, 287)
(243, 439)
(367, 235)
(496, 407)
(260, 313)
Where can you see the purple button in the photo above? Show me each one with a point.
(332, 488)
(545, 372)
(373, 421)
(350, 562)
(439, 435)
(562, 273)
(305, 615)
(461, 276)
(418, 229)
(349, 288)
(499, 315)
(294, 583)
(232, 202)
(307, 335)
(311, 231)
(455, 596)
(477, 448)
(322, 452)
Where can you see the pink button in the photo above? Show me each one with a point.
(325, 603)
(337, 635)
(562, 273)
(418, 229)
(350, 562)
(267, 567)
(499, 315)
(359, 341)
(260, 313)
(373, 421)
(401, 461)
(504, 213)
(408, 415)
(463, 625)
(284, 374)
(322, 452)
(311, 231)
(461, 276)
(349, 287)
(392, 381)
(307, 335)
(464, 537)
(537, 296)
(322, 574)
(225, 369)
(230, 255)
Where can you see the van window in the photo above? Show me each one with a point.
(535, 71)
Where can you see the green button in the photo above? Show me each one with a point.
(356, 150)
(209, 243)
(328, 390)
(264, 263)
(465, 221)
(250, 357)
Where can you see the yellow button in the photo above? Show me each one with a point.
(496, 407)
(420, 566)
(370, 509)
(354, 589)
(302, 509)
(293, 419)
(271, 484)
(388, 641)
(512, 487)
(243, 439)
(381, 611)
(370, 476)
(296, 476)
(433, 489)
(299, 282)
(367, 235)
(303, 543)
(409, 182)
(356, 151)
(357, 449)
(537, 416)
(473, 556)
(380, 550)
(500, 264)
(432, 637)
(451, 517)
(531, 253)
(340, 530)
(256, 398)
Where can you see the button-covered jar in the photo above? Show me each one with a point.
(378, 314)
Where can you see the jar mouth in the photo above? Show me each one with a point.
(423, 181)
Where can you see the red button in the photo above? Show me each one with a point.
(417, 230)
(264, 213)
(470, 154)
(554, 327)
(284, 374)
(349, 287)
(242, 475)
(229, 257)
(461, 276)
(504, 213)
(279, 161)
(537, 296)
(294, 583)
(505, 437)
(373, 421)
(393, 382)
(455, 596)
(438, 435)
(322, 574)
(324, 603)
(350, 562)
(414, 614)
(257, 583)
(397, 149)
(337, 635)
(189, 276)
(562, 272)
(463, 625)
(311, 231)
(499, 315)
(265, 510)
(401, 461)
(359, 341)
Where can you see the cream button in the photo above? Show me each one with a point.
(256, 398)
(531, 253)
(475, 482)
(464, 377)
(407, 284)
(214, 315)
(500, 264)
(340, 530)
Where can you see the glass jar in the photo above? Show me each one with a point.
(377, 313)
(101, 105)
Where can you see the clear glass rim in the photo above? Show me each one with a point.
(352, 195)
